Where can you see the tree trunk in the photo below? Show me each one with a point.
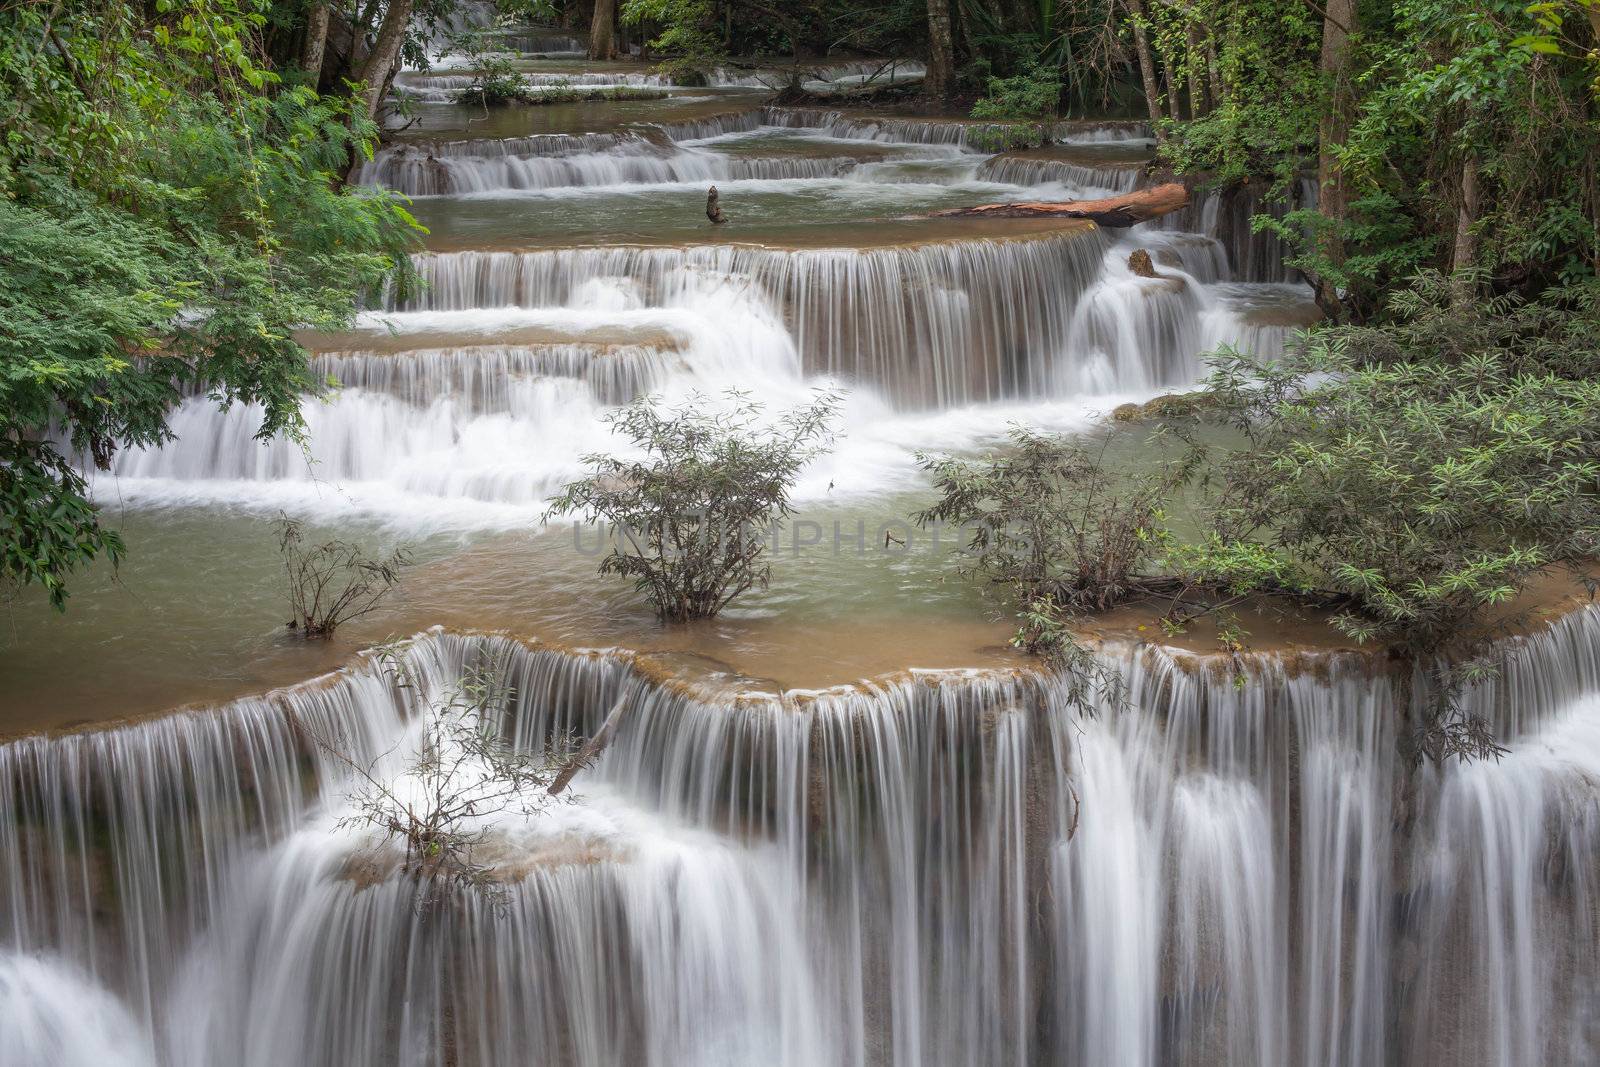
(385, 56)
(603, 30)
(940, 81)
(1214, 73)
(1195, 67)
(316, 41)
(1129, 209)
(1147, 63)
(1464, 257)
(1337, 23)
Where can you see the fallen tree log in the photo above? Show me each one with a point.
(1129, 209)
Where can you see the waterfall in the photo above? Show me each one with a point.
(490, 378)
(941, 868)
(1143, 333)
(499, 424)
(545, 42)
(973, 135)
(713, 126)
(51, 1014)
(1225, 214)
(414, 172)
(652, 153)
(938, 324)
(1022, 170)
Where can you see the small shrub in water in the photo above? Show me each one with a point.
(439, 803)
(1058, 533)
(334, 582)
(690, 519)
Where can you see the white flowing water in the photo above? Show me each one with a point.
(927, 335)
(951, 868)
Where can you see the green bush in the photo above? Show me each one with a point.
(170, 214)
(1035, 93)
(690, 519)
(1417, 476)
(1053, 528)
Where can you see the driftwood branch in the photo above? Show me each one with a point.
(1128, 209)
(591, 749)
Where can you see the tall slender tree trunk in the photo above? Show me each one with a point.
(941, 78)
(1464, 256)
(603, 30)
(385, 55)
(1147, 64)
(1196, 60)
(1332, 198)
(316, 40)
(1214, 73)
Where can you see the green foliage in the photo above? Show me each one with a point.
(688, 38)
(1009, 136)
(1552, 37)
(1447, 84)
(1417, 475)
(1263, 55)
(1053, 528)
(168, 216)
(497, 83)
(692, 515)
(1431, 89)
(1379, 240)
(1075, 45)
(1034, 93)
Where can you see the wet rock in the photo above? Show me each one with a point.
(1140, 264)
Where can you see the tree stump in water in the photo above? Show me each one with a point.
(1129, 209)
(713, 209)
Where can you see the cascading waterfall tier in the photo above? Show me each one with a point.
(1021, 170)
(943, 868)
(979, 136)
(643, 153)
(544, 42)
(486, 378)
(652, 154)
(931, 325)
(491, 423)
(417, 172)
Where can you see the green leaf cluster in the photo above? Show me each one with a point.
(170, 216)
(693, 508)
(1419, 475)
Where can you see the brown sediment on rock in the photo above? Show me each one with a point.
(1165, 406)
(1139, 263)
(469, 339)
(1301, 638)
(1280, 639)
(1128, 209)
